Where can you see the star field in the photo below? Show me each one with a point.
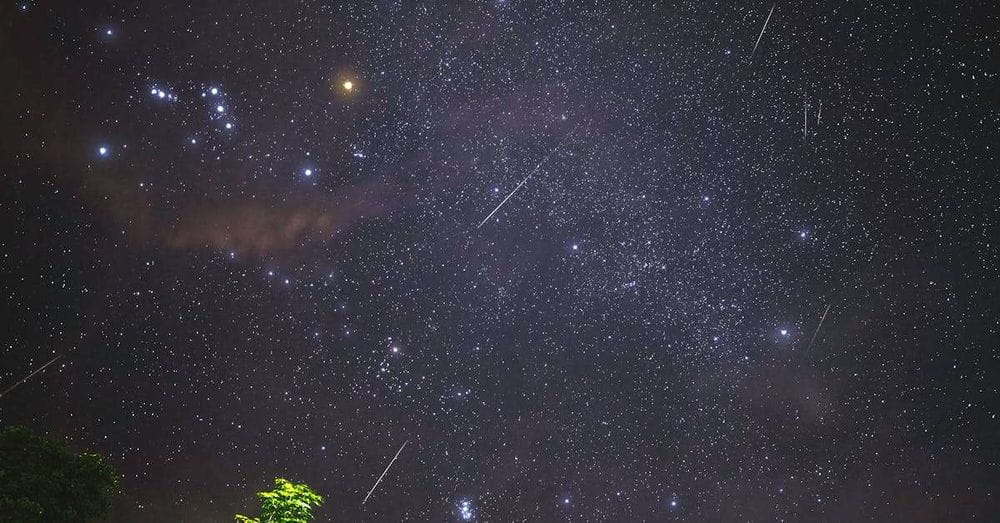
(584, 262)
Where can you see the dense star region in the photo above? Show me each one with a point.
(508, 260)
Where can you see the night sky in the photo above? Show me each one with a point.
(732, 275)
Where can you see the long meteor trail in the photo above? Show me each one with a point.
(526, 178)
(28, 377)
(762, 29)
(379, 480)
(818, 327)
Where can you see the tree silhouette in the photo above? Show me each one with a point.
(287, 503)
(43, 480)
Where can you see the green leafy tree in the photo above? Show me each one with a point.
(43, 480)
(287, 503)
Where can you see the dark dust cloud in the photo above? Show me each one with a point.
(739, 284)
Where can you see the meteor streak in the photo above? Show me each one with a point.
(817, 327)
(379, 480)
(526, 178)
(762, 29)
(28, 377)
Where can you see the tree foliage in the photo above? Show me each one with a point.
(287, 503)
(43, 480)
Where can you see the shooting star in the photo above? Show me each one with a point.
(805, 119)
(28, 377)
(762, 29)
(818, 327)
(526, 178)
(819, 113)
(379, 480)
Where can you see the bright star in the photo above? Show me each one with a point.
(229, 125)
(348, 85)
(214, 91)
(220, 109)
(784, 332)
(103, 151)
(308, 172)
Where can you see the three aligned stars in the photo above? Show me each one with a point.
(218, 111)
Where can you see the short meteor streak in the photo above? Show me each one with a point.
(805, 119)
(526, 178)
(29, 376)
(762, 29)
(818, 327)
(379, 480)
